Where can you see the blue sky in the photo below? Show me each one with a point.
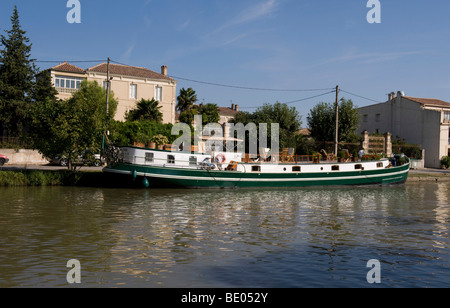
(271, 44)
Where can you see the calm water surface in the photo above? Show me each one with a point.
(315, 237)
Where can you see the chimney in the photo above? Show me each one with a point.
(236, 107)
(400, 93)
(232, 106)
(391, 96)
(164, 70)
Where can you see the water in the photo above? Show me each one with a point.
(314, 237)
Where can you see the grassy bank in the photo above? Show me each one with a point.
(51, 178)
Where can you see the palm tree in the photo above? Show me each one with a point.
(146, 110)
(186, 99)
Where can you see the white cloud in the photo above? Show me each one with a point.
(251, 14)
(126, 55)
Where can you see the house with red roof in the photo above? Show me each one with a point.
(128, 83)
(421, 121)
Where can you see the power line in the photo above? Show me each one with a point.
(85, 61)
(248, 88)
(296, 101)
(369, 99)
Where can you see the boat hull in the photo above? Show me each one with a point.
(168, 177)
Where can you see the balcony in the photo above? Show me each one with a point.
(66, 90)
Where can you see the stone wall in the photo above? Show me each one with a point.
(24, 157)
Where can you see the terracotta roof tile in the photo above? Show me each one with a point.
(67, 67)
(428, 101)
(227, 111)
(125, 70)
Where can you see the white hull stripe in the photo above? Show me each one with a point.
(218, 178)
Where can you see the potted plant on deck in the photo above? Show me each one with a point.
(160, 141)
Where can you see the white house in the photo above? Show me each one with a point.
(421, 121)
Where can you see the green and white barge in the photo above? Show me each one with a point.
(174, 169)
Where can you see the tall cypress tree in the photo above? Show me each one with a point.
(17, 73)
(17, 70)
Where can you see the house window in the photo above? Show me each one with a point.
(133, 91)
(158, 94)
(365, 118)
(66, 82)
(149, 157)
(192, 161)
(379, 165)
(170, 159)
(446, 116)
(378, 117)
(296, 169)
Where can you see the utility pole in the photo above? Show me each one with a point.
(336, 140)
(107, 86)
(107, 100)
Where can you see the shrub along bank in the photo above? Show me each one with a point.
(51, 178)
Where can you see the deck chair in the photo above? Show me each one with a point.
(347, 156)
(232, 166)
(327, 156)
(263, 153)
(284, 155)
(290, 155)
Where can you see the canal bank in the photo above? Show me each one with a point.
(37, 177)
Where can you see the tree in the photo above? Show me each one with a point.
(72, 126)
(210, 113)
(322, 121)
(17, 73)
(43, 88)
(17, 70)
(186, 99)
(146, 110)
(187, 116)
(287, 117)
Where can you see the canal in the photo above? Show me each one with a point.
(312, 237)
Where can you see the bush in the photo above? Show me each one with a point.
(445, 162)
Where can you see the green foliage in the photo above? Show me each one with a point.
(445, 162)
(187, 116)
(17, 73)
(186, 99)
(146, 110)
(126, 133)
(210, 113)
(160, 139)
(44, 89)
(17, 70)
(51, 178)
(287, 117)
(322, 121)
(70, 127)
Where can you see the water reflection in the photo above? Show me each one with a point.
(249, 238)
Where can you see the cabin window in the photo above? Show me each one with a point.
(170, 159)
(358, 166)
(192, 161)
(334, 168)
(256, 168)
(379, 165)
(149, 157)
(296, 169)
